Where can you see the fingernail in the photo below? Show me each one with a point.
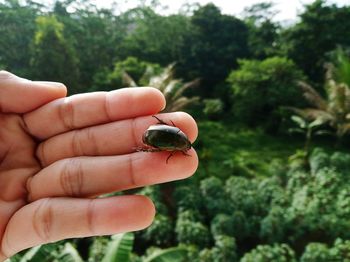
(53, 84)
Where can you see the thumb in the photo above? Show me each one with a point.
(19, 95)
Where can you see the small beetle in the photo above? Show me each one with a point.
(163, 137)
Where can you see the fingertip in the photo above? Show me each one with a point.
(185, 166)
(158, 95)
(20, 95)
(58, 89)
(148, 211)
(163, 167)
(192, 167)
(136, 101)
(136, 211)
(184, 121)
(191, 124)
(5, 74)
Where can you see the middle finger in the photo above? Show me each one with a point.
(114, 138)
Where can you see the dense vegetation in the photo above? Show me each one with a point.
(273, 109)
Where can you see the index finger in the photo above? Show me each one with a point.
(19, 95)
(83, 110)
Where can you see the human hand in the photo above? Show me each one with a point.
(58, 154)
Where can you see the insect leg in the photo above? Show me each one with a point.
(185, 153)
(163, 123)
(160, 121)
(171, 154)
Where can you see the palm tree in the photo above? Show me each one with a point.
(173, 89)
(333, 110)
(307, 128)
(341, 68)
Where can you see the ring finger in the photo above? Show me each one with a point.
(91, 176)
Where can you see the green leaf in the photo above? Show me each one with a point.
(296, 130)
(69, 254)
(300, 121)
(323, 132)
(174, 254)
(39, 254)
(119, 248)
(316, 122)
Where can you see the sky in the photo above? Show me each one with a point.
(288, 9)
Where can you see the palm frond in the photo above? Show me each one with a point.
(181, 103)
(127, 80)
(161, 81)
(171, 88)
(312, 96)
(119, 248)
(311, 114)
(191, 84)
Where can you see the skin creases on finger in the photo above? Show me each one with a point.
(91, 176)
(52, 219)
(116, 138)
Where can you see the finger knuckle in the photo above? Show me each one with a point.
(40, 153)
(90, 216)
(43, 220)
(66, 113)
(77, 145)
(89, 136)
(107, 108)
(133, 127)
(5, 75)
(133, 178)
(71, 177)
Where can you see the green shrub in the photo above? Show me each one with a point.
(223, 224)
(266, 253)
(243, 194)
(214, 197)
(261, 87)
(316, 252)
(340, 161)
(223, 251)
(109, 80)
(213, 107)
(188, 197)
(242, 226)
(318, 160)
(340, 250)
(160, 232)
(273, 226)
(191, 231)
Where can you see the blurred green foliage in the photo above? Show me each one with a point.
(275, 253)
(114, 79)
(50, 47)
(274, 79)
(321, 28)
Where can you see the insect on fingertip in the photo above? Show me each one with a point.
(165, 137)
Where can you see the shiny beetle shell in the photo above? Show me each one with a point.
(166, 138)
(163, 137)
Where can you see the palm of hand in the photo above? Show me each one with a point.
(56, 156)
(17, 164)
